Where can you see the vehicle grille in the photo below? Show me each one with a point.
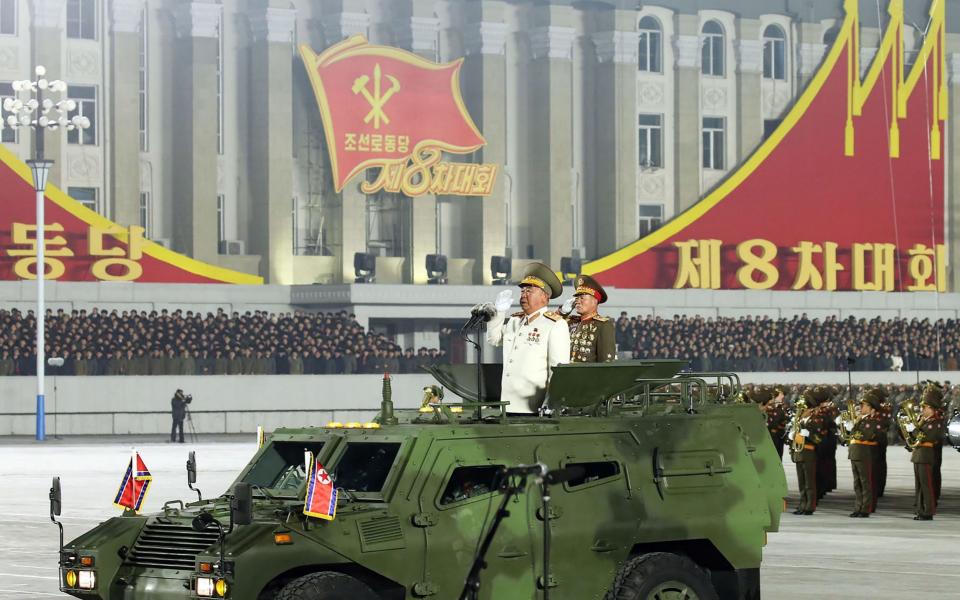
(170, 546)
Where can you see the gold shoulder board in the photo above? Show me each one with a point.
(552, 316)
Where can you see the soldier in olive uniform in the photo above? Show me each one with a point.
(884, 419)
(827, 413)
(592, 337)
(771, 403)
(924, 456)
(865, 435)
(804, 453)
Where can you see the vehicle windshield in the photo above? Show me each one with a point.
(364, 466)
(280, 469)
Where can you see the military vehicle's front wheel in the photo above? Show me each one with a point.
(661, 576)
(326, 585)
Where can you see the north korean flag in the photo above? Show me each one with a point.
(321, 500)
(134, 486)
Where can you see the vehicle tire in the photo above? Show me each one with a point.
(326, 585)
(661, 576)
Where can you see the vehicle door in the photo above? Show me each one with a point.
(458, 504)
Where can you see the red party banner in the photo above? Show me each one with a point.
(846, 194)
(389, 108)
(82, 245)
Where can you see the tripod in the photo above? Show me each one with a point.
(191, 430)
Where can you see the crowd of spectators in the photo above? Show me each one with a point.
(795, 344)
(113, 342)
(102, 342)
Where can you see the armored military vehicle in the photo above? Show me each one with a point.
(634, 484)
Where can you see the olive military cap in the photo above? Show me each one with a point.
(540, 275)
(590, 286)
(932, 397)
(872, 397)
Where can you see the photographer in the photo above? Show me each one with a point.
(178, 405)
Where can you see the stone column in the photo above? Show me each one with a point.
(550, 131)
(686, 143)
(195, 130)
(352, 226)
(952, 169)
(749, 92)
(420, 213)
(124, 149)
(270, 152)
(49, 17)
(810, 52)
(615, 195)
(483, 75)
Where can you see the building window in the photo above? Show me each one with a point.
(774, 53)
(82, 19)
(8, 17)
(769, 126)
(221, 221)
(651, 38)
(650, 152)
(220, 54)
(711, 62)
(142, 83)
(86, 196)
(9, 134)
(86, 99)
(146, 214)
(713, 142)
(651, 218)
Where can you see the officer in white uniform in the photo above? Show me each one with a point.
(534, 340)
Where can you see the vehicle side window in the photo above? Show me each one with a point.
(469, 482)
(593, 471)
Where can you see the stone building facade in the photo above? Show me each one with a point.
(607, 118)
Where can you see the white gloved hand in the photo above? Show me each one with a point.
(911, 427)
(504, 300)
(848, 426)
(838, 420)
(805, 432)
(567, 307)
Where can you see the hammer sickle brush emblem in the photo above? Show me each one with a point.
(377, 99)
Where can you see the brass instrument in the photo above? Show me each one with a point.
(852, 416)
(796, 440)
(907, 415)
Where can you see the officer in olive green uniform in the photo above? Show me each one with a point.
(592, 337)
(803, 451)
(924, 457)
(865, 435)
(771, 403)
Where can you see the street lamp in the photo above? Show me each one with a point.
(29, 108)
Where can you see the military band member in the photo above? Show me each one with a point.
(803, 451)
(827, 413)
(865, 434)
(777, 419)
(924, 457)
(884, 419)
(592, 337)
(534, 340)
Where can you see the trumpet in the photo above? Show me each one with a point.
(849, 416)
(907, 417)
(797, 441)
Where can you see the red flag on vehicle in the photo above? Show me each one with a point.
(321, 501)
(133, 488)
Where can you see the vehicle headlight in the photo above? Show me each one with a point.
(87, 580)
(70, 578)
(204, 586)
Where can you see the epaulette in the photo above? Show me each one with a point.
(552, 316)
(601, 319)
(517, 314)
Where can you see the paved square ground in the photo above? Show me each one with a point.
(824, 556)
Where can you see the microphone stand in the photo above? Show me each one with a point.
(545, 498)
(478, 322)
(471, 589)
